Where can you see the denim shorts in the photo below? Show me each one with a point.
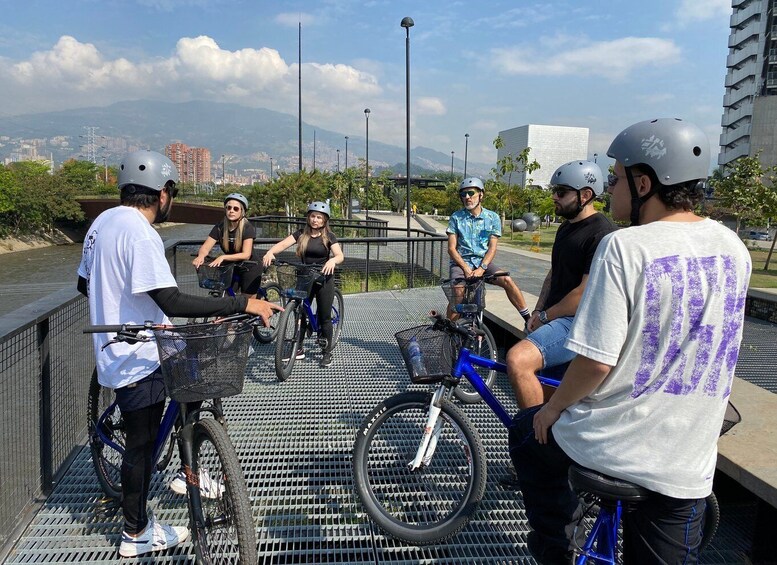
(550, 338)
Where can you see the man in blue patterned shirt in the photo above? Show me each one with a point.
(473, 235)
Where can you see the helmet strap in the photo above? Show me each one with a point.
(636, 200)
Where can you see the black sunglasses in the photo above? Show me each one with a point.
(467, 193)
(560, 191)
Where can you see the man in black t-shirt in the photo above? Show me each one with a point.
(575, 186)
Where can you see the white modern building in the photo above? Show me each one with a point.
(750, 104)
(551, 147)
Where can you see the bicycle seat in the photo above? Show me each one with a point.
(605, 487)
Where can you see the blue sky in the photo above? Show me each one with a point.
(476, 67)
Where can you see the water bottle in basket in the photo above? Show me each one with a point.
(416, 358)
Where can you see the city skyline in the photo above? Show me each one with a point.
(475, 68)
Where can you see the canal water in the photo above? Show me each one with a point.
(26, 276)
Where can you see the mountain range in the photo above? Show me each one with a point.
(248, 136)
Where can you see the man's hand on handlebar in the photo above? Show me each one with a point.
(263, 309)
(534, 321)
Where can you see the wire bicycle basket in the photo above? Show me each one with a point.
(298, 280)
(204, 361)
(465, 296)
(428, 353)
(215, 278)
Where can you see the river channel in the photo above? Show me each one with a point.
(26, 276)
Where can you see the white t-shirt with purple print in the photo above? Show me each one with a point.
(664, 306)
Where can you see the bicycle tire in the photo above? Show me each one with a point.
(338, 309)
(229, 533)
(106, 460)
(484, 347)
(438, 503)
(272, 293)
(288, 341)
(711, 521)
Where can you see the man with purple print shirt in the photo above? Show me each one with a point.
(657, 336)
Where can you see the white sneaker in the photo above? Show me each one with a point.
(156, 537)
(209, 487)
(299, 355)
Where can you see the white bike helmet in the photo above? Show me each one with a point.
(322, 207)
(148, 169)
(239, 197)
(472, 182)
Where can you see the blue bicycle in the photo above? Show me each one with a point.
(299, 320)
(199, 362)
(222, 281)
(418, 461)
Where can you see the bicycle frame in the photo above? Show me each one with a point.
(464, 365)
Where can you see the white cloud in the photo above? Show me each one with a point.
(701, 10)
(614, 59)
(430, 106)
(73, 74)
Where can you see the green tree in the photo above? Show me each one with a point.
(508, 195)
(79, 176)
(740, 188)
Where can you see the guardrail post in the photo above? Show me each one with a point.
(367, 269)
(44, 408)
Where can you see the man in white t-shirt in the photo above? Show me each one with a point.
(127, 279)
(657, 335)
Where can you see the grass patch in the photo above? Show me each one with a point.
(352, 282)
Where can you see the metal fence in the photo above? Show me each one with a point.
(46, 361)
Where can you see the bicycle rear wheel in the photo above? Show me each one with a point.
(106, 460)
(484, 346)
(272, 293)
(228, 535)
(338, 309)
(288, 341)
(436, 501)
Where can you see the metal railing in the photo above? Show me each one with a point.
(46, 361)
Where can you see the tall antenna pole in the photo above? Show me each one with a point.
(299, 88)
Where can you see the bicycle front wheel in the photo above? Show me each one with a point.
(228, 535)
(434, 502)
(106, 460)
(288, 341)
(338, 310)
(484, 346)
(272, 293)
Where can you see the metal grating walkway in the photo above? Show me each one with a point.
(294, 440)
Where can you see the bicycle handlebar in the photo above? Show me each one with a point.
(210, 258)
(484, 277)
(149, 325)
(442, 323)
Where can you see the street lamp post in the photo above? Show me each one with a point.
(367, 164)
(466, 146)
(452, 152)
(595, 156)
(338, 160)
(407, 23)
(223, 176)
(270, 169)
(350, 212)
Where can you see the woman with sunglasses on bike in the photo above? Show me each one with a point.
(235, 236)
(316, 245)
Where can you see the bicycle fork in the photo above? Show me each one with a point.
(431, 433)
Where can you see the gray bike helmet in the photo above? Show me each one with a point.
(579, 175)
(322, 207)
(676, 150)
(239, 197)
(148, 169)
(472, 182)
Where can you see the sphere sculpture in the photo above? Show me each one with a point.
(532, 221)
(519, 225)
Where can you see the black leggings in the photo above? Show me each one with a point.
(325, 297)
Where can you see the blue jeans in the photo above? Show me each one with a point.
(550, 339)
